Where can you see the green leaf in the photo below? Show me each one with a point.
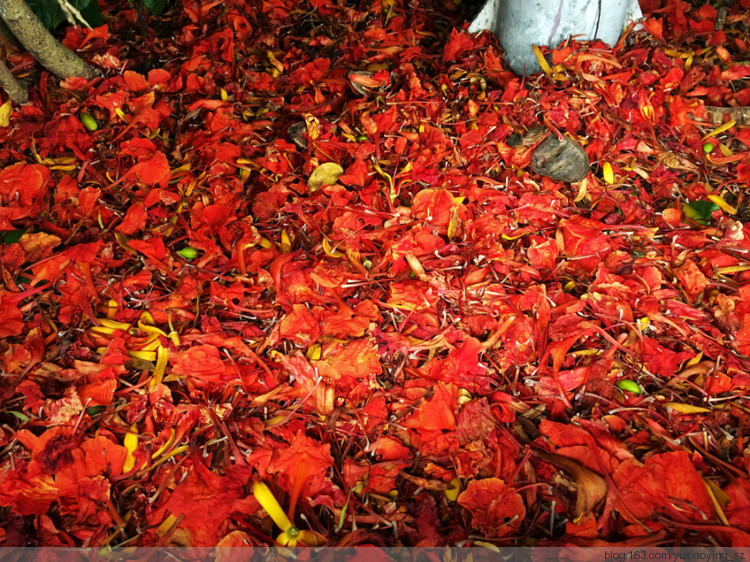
(156, 7)
(92, 14)
(19, 415)
(700, 211)
(11, 236)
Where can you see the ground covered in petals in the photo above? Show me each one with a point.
(284, 273)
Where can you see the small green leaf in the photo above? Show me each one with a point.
(92, 14)
(188, 252)
(19, 415)
(11, 236)
(156, 7)
(708, 148)
(629, 386)
(700, 211)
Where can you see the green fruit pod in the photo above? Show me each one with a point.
(629, 386)
(89, 122)
(188, 252)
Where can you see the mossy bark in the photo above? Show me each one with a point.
(35, 38)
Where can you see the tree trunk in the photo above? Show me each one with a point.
(32, 34)
(14, 89)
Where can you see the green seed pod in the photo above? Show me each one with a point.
(188, 252)
(629, 386)
(708, 148)
(89, 122)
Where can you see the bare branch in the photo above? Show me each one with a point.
(39, 42)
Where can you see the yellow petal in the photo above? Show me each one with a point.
(6, 110)
(452, 493)
(718, 130)
(453, 225)
(514, 236)
(166, 445)
(723, 205)
(122, 240)
(330, 251)
(314, 352)
(145, 355)
(582, 190)
(542, 61)
(162, 355)
(609, 175)
(286, 242)
(414, 264)
(731, 269)
(109, 323)
(311, 538)
(686, 408)
(695, 359)
(167, 525)
(146, 323)
(275, 62)
(284, 540)
(102, 330)
(149, 344)
(313, 126)
(130, 442)
(717, 496)
(266, 499)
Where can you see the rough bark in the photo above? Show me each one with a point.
(52, 54)
(7, 35)
(13, 87)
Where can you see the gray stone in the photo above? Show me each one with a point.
(561, 159)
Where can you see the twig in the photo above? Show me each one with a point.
(72, 14)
